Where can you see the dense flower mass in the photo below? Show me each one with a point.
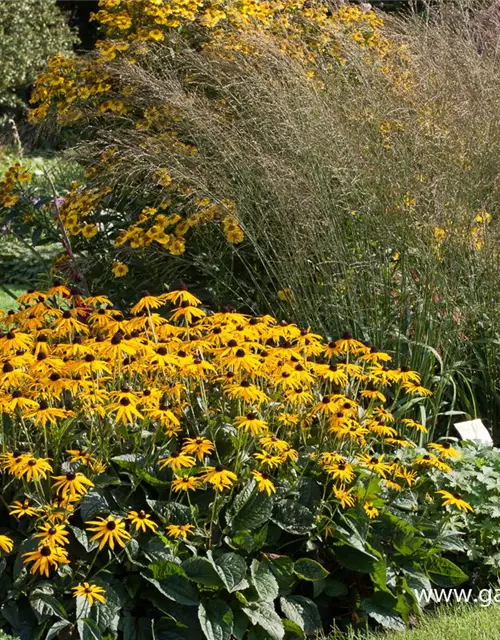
(203, 408)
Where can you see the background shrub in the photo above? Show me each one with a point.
(30, 32)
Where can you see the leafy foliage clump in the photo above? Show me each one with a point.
(195, 474)
(30, 32)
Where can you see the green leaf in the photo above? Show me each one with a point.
(56, 629)
(308, 569)
(292, 517)
(163, 568)
(248, 540)
(216, 619)
(354, 559)
(201, 571)
(264, 581)
(176, 588)
(137, 628)
(254, 513)
(383, 615)
(282, 568)
(88, 629)
(335, 588)
(44, 603)
(444, 572)
(231, 568)
(93, 503)
(240, 624)
(82, 538)
(292, 629)
(303, 612)
(266, 617)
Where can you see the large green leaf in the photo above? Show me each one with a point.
(293, 517)
(444, 572)
(266, 617)
(282, 568)
(216, 619)
(232, 569)
(176, 587)
(264, 581)
(163, 568)
(308, 569)
(303, 612)
(354, 559)
(386, 616)
(254, 513)
(201, 571)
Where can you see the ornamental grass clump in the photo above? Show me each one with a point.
(174, 469)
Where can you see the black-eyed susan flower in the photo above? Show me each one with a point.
(6, 544)
(46, 558)
(52, 535)
(370, 510)
(342, 471)
(125, 411)
(119, 269)
(176, 461)
(90, 593)
(454, 500)
(376, 463)
(180, 530)
(345, 496)
(44, 414)
(219, 478)
(179, 296)
(199, 447)
(264, 482)
(109, 531)
(246, 391)
(31, 468)
(24, 508)
(141, 521)
(267, 459)
(72, 485)
(251, 423)
(185, 483)
(444, 449)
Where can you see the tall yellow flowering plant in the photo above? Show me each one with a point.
(178, 470)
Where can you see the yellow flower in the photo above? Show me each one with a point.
(89, 231)
(185, 483)
(200, 447)
(109, 530)
(72, 485)
(89, 592)
(454, 500)
(264, 483)
(52, 535)
(219, 478)
(119, 269)
(370, 510)
(45, 558)
(180, 531)
(24, 508)
(6, 544)
(141, 520)
(177, 460)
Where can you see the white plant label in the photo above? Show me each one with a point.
(474, 430)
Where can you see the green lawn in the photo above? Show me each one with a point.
(464, 623)
(6, 301)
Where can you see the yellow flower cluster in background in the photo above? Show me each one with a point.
(212, 401)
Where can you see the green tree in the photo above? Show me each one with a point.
(30, 32)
